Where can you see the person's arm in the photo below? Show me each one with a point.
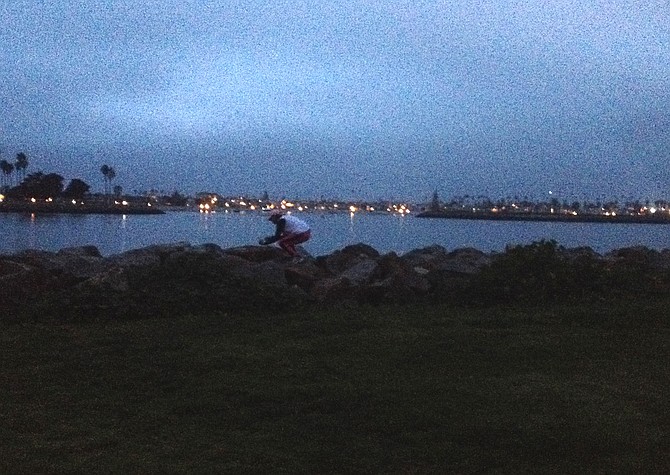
(281, 225)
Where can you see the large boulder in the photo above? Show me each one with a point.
(341, 260)
(465, 260)
(362, 272)
(258, 253)
(113, 279)
(437, 264)
(304, 275)
(146, 256)
(69, 263)
(427, 258)
(28, 276)
(393, 279)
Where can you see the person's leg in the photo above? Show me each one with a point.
(288, 246)
(299, 239)
(302, 237)
(289, 242)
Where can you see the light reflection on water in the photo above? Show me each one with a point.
(124, 232)
(113, 234)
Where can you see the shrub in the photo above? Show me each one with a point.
(537, 272)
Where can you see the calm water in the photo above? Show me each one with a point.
(115, 234)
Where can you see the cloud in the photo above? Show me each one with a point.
(498, 94)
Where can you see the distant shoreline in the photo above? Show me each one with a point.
(63, 208)
(548, 217)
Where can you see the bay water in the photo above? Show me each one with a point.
(113, 234)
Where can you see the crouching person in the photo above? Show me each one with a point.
(289, 232)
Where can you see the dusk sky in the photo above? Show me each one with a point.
(347, 98)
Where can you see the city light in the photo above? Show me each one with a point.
(614, 210)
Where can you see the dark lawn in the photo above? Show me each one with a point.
(406, 389)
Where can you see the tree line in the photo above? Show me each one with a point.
(47, 185)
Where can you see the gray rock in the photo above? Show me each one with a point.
(114, 279)
(258, 253)
(427, 257)
(350, 256)
(465, 261)
(304, 275)
(361, 272)
(151, 255)
(78, 263)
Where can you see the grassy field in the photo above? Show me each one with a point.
(418, 389)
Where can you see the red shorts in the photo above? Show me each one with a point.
(289, 242)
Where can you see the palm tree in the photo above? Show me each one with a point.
(21, 164)
(108, 174)
(7, 169)
(111, 174)
(105, 175)
(3, 165)
(105, 172)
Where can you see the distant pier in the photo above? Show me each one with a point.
(656, 218)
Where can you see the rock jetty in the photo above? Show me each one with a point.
(658, 218)
(160, 280)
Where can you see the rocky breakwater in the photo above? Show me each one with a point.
(162, 280)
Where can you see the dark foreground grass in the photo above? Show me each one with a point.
(416, 389)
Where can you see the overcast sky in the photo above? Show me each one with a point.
(346, 98)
